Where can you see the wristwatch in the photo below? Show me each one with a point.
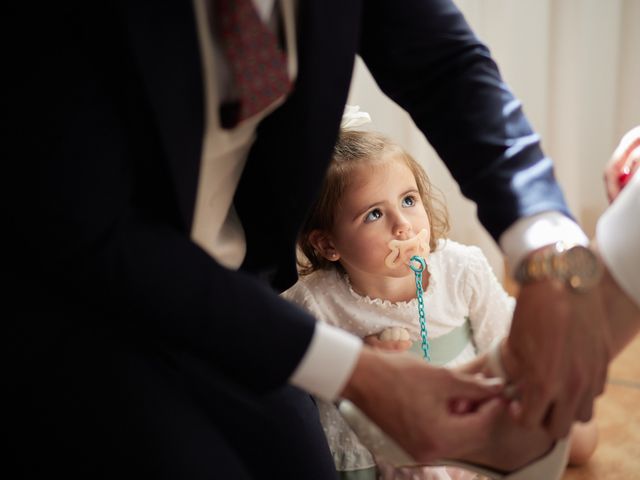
(576, 266)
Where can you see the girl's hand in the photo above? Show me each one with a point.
(393, 339)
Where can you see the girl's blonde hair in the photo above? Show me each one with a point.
(353, 148)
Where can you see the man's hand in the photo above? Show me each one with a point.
(557, 352)
(623, 163)
(411, 401)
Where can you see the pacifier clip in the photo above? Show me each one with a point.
(418, 265)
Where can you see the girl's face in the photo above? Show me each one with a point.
(381, 204)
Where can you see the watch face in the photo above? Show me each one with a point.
(582, 267)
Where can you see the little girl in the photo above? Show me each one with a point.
(376, 210)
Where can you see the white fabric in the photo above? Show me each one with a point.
(618, 237)
(461, 285)
(353, 117)
(328, 362)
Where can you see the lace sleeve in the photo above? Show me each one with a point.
(490, 307)
(303, 297)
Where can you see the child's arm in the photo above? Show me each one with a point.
(490, 306)
(584, 439)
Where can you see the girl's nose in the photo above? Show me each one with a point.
(402, 227)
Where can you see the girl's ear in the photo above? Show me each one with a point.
(323, 245)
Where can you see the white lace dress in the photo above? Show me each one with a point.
(466, 310)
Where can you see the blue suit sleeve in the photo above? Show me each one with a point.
(427, 59)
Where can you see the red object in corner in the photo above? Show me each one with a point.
(626, 174)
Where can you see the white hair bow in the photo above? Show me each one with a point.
(353, 117)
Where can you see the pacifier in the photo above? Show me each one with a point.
(403, 250)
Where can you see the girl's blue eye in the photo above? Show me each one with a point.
(373, 215)
(408, 201)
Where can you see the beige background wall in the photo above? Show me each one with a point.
(575, 64)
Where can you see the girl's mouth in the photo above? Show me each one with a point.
(403, 250)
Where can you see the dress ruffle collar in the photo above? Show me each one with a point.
(380, 302)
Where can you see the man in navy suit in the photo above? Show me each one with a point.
(146, 244)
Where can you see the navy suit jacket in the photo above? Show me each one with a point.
(103, 151)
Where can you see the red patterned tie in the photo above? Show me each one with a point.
(258, 66)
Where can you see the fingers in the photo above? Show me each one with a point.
(558, 376)
(559, 418)
(372, 341)
(555, 406)
(460, 434)
(473, 387)
(585, 411)
(480, 420)
(467, 389)
(392, 339)
(584, 408)
(402, 345)
(477, 365)
(460, 406)
(386, 471)
(533, 404)
(533, 399)
(576, 405)
(532, 393)
(596, 377)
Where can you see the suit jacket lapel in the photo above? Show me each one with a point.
(293, 146)
(165, 47)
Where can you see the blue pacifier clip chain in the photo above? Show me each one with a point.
(418, 265)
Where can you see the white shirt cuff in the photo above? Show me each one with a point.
(536, 231)
(618, 237)
(327, 365)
